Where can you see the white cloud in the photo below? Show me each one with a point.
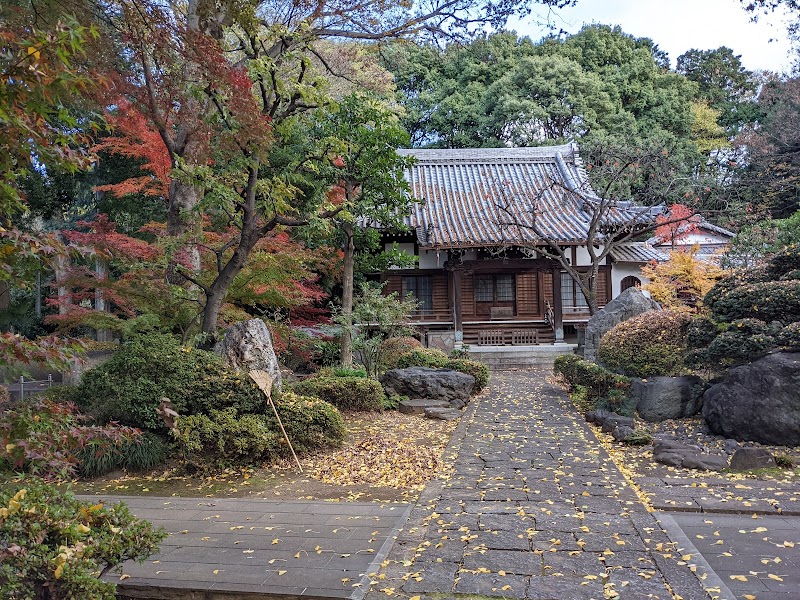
(679, 25)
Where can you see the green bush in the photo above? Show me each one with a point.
(785, 263)
(56, 547)
(652, 343)
(734, 347)
(789, 336)
(436, 359)
(700, 332)
(471, 367)
(592, 380)
(129, 387)
(223, 438)
(392, 349)
(345, 372)
(310, 422)
(345, 393)
(423, 357)
(142, 454)
(767, 301)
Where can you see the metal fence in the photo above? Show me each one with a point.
(31, 386)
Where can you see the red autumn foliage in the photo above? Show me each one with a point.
(678, 223)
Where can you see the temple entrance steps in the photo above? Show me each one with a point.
(506, 358)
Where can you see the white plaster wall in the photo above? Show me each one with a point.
(432, 259)
(699, 237)
(582, 255)
(427, 259)
(622, 270)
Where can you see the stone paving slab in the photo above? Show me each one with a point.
(221, 549)
(534, 508)
(753, 558)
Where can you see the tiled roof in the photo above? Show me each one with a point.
(702, 225)
(483, 197)
(637, 252)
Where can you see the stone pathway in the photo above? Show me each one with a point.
(534, 508)
(227, 549)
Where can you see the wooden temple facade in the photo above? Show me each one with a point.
(479, 278)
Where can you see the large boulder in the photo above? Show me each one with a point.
(434, 384)
(758, 402)
(661, 398)
(628, 304)
(247, 346)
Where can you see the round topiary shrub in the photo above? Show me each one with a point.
(700, 332)
(392, 349)
(345, 393)
(128, 388)
(310, 422)
(767, 301)
(649, 344)
(471, 367)
(423, 357)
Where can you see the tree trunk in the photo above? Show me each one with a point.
(101, 271)
(182, 222)
(61, 265)
(347, 296)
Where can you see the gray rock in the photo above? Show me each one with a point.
(444, 414)
(745, 459)
(758, 402)
(247, 346)
(705, 462)
(661, 398)
(622, 433)
(434, 384)
(673, 459)
(418, 406)
(628, 304)
(612, 420)
(731, 446)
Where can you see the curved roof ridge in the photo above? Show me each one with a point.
(534, 153)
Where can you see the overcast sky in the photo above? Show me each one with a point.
(679, 25)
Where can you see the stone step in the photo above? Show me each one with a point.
(417, 406)
(444, 414)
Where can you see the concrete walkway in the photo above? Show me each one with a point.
(533, 507)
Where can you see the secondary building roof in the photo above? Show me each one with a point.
(493, 196)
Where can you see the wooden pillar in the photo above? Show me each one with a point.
(558, 310)
(457, 321)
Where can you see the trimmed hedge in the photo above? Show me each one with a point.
(598, 381)
(649, 344)
(129, 387)
(392, 349)
(423, 357)
(766, 301)
(436, 359)
(345, 393)
(471, 367)
(223, 437)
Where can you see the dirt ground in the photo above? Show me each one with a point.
(387, 457)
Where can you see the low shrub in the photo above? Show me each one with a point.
(591, 380)
(700, 332)
(55, 546)
(471, 367)
(423, 357)
(48, 438)
(129, 387)
(393, 402)
(652, 343)
(392, 349)
(767, 301)
(789, 336)
(345, 393)
(639, 437)
(733, 347)
(142, 454)
(223, 438)
(310, 422)
(345, 372)
(436, 359)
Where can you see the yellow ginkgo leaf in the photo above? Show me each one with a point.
(738, 577)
